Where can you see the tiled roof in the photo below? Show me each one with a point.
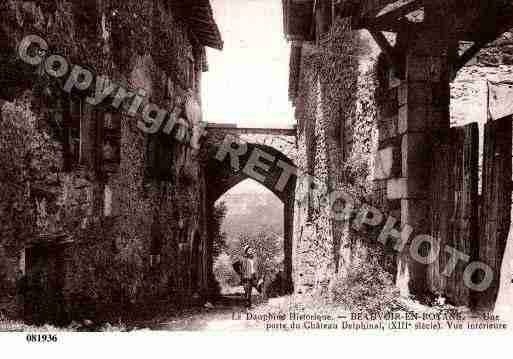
(198, 14)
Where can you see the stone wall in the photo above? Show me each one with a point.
(349, 136)
(129, 238)
(336, 131)
(468, 92)
(396, 120)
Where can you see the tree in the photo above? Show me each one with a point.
(223, 271)
(268, 249)
(218, 237)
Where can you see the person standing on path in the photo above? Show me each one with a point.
(249, 273)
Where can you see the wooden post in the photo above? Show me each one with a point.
(496, 206)
(454, 206)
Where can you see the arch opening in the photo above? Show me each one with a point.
(262, 107)
(222, 175)
(251, 215)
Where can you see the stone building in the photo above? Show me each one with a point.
(97, 216)
(357, 132)
(331, 87)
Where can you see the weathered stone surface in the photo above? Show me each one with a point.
(337, 131)
(387, 163)
(407, 188)
(413, 118)
(388, 128)
(114, 236)
(415, 93)
(415, 149)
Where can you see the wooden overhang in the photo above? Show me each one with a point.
(297, 19)
(199, 16)
(299, 26)
(471, 20)
(476, 21)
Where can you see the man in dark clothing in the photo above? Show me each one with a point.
(248, 273)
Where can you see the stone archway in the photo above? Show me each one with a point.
(274, 174)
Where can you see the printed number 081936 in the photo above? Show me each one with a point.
(41, 338)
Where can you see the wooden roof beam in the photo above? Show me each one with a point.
(392, 16)
(391, 19)
(361, 8)
(389, 51)
(466, 57)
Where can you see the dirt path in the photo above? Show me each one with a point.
(215, 319)
(224, 315)
(230, 315)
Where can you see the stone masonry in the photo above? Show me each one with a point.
(369, 132)
(336, 135)
(109, 239)
(264, 155)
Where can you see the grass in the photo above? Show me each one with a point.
(10, 325)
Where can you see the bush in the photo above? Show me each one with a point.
(103, 286)
(223, 270)
(268, 250)
(366, 288)
(275, 285)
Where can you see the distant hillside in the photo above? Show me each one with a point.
(250, 209)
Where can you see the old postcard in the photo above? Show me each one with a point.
(294, 166)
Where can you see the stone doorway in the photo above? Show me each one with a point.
(45, 278)
(196, 264)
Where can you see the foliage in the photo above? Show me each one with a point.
(223, 271)
(218, 236)
(356, 173)
(367, 287)
(268, 252)
(106, 288)
(267, 246)
(10, 325)
(26, 156)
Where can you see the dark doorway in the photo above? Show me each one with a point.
(45, 275)
(196, 263)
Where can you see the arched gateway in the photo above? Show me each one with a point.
(265, 155)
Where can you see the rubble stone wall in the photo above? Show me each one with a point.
(349, 123)
(336, 130)
(468, 104)
(133, 239)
